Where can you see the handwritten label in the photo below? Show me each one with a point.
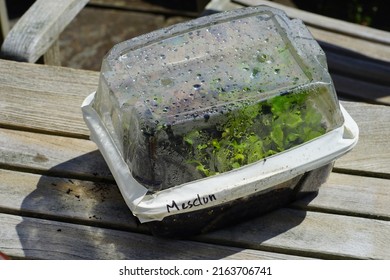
(196, 202)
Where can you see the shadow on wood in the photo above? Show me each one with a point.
(87, 218)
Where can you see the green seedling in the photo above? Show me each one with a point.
(253, 133)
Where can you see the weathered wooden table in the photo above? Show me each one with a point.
(58, 199)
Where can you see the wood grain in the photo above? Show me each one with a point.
(38, 29)
(311, 234)
(47, 154)
(41, 98)
(31, 238)
(52, 55)
(365, 48)
(65, 199)
(372, 153)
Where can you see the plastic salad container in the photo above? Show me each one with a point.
(218, 119)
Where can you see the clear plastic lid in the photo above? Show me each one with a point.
(215, 94)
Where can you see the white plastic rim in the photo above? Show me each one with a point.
(222, 188)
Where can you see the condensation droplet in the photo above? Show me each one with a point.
(123, 57)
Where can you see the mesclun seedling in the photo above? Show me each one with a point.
(253, 133)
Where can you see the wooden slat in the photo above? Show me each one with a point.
(352, 196)
(62, 199)
(32, 238)
(60, 156)
(312, 234)
(359, 46)
(37, 97)
(38, 28)
(52, 55)
(372, 153)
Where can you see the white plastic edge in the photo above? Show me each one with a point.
(221, 188)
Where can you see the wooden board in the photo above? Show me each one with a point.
(65, 199)
(371, 156)
(369, 49)
(23, 237)
(352, 196)
(40, 98)
(312, 234)
(56, 155)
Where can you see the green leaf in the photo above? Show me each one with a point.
(293, 120)
(201, 146)
(277, 136)
(216, 144)
(191, 137)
